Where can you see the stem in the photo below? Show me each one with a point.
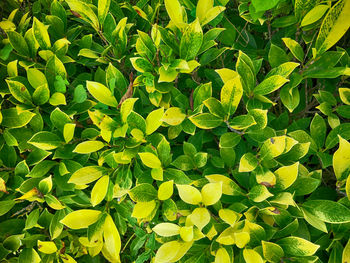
(127, 243)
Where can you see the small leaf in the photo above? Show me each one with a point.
(287, 175)
(328, 211)
(174, 10)
(150, 160)
(47, 247)
(173, 116)
(166, 229)
(68, 131)
(41, 35)
(295, 48)
(251, 256)
(270, 84)
(296, 246)
(88, 147)
(200, 217)
(165, 190)
(248, 163)
(99, 190)
(231, 94)
(168, 250)
(341, 159)
(101, 93)
(154, 120)
(206, 120)
(211, 193)
(314, 15)
(189, 194)
(112, 242)
(80, 218)
(191, 41)
(45, 140)
(87, 175)
(143, 193)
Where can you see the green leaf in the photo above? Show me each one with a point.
(85, 11)
(259, 193)
(143, 193)
(173, 116)
(272, 252)
(206, 121)
(295, 48)
(88, 147)
(215, 107)
(296, 246)
(318, 130)
(328, 211)
(6, 206)
(57, 98)
(334, 26)
(344, 94)
(154, 120)
(150, 160)
(80, 218)
(191, 41)
(18, 42)
(41, 95)
(101, 93)
(241, 122)
(103, 8)
(59, 119)
(277, 56)
(314, 15)
(87, 175)
(99, 190)
(231, 94)
(19, 91)
(165, 190)
(341, 157)
(174, 11)
(41, 35)
(287, 175)
(270, 84)
(248, 163)
(261, 5)
(45, 140)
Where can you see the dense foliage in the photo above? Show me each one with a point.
(174, 131)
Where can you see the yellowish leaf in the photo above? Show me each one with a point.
(173, 116)
(111, 238)
(166, 229)
(143, 209)
(211, 193)
(251, 256)
(200, 217)
(222, 256)
(189, 194)
(80, 218)
(165, 190)
(287, 175)
(186, 233)
(99, 190)
(341, 159)
(167, 252)
(229, 216)
(47, 247)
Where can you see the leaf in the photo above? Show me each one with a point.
(86, 175)
(261, 5)
(80, 218)
(191, 41)
(68, 131)
(18, 42)
(143, 193)
(203, 7)
(143, 209)
(295, 48)
(270, 84)
(287, 175)
(341, 159)
(167, 252)
(346, 253)
(88, 147)
(101, 93)
(314, 15)
(271, 251)
(212, 14)
(229, 187)
(231, 94)
(296, 246)
(241, 122)
(228, 216)
(165, 190)
(174, 11)
(248, 163)
(53, 202)
(166, 229)
(328, 211)
(150, 160)
(222, 256)
(344, 94)
(102, 10)
(112, 242)
(84, 11)
(127, 107)
(259, 193)
(41, 95)
(45, 140)
(189, 194)
(173, 116)
(251, 256)
(206, 120)
(99, 190)
(57, 98)
(19, 91)
(154, 120)
(211, 193)
(200, 217)
(6, 206)
(334, 26)
(41, 35)
(47, 247)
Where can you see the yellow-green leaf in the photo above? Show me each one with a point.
(166, 229)
(112, 242)
(228, 216)
(80, 218)
(88, 147)
(211, 193)
(41, 35)
(221, 256)
(47, 247)
(167, 252)
(287, 175)
(173, 116)
(341, 159)
(251, 256)
(314, 14)
(296, 246)
(189, 194)
(174, 10)
(344, 94)
(101, 93)
(143, 209)
(241, 239)
(346, 253)
(165, 190)
(334, 26)
(231, 94)
(154, 120)
(228, 185)
(150, 160)
(87, 175)
(99, 190)
(200, 217)
(186, 233)
(248, 163)
(68, 131)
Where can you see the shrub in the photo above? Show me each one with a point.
(174, 131)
